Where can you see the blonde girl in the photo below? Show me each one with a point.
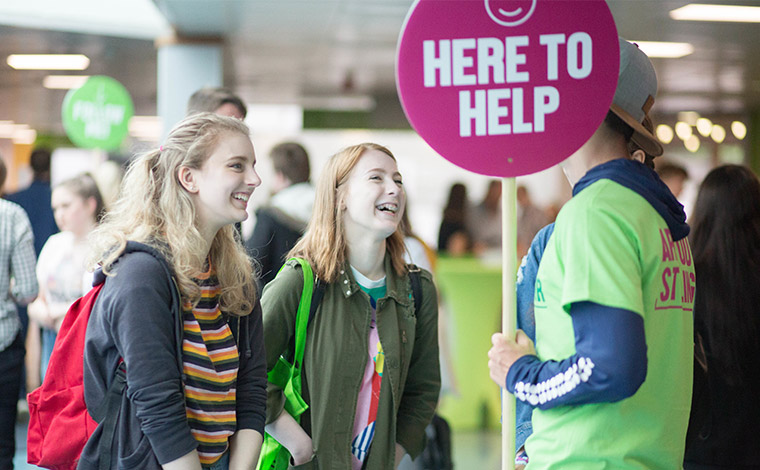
(61, 267)
(370, 365)
(195, 393)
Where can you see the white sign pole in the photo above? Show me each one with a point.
(508, 310)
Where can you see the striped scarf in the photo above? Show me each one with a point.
(210, 358)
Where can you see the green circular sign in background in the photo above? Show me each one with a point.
(96, 115)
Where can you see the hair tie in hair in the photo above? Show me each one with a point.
(161, 149)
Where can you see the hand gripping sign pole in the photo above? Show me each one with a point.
(507, 88)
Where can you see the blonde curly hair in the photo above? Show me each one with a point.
(153, 208)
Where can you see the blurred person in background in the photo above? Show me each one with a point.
(530, 219)
(673, 175)
(35, 200)
(454, 237)
(217, 100)
(417, 251)
(484, 220)
(725, 238)
(18, 286)
(438, 432)
(283, 220)
(61, 268)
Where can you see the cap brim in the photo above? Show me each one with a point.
(641, 136)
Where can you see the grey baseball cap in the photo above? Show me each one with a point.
(634, 95)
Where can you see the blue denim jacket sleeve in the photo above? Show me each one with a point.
(526, 321)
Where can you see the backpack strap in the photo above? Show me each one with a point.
(316, 298)
(416, 280)
(107, 411)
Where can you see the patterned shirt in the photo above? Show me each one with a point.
(210, 357)
(17, 260)
(369, 391)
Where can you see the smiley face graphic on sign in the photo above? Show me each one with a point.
(510, 12)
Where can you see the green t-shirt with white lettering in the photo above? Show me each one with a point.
(611, 247)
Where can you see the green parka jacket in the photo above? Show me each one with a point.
(335, 357)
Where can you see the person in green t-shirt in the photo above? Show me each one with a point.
(610, 376)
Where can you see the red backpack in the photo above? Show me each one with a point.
(59, 422)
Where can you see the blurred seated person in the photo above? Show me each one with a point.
(454, 237)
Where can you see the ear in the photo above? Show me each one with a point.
(340, 200)
(639, 156)
(186, 177)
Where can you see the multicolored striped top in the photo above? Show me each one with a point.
(369, 391)
(211, 361)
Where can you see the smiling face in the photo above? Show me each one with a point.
(225, 182)
(510, 12)
(374, 197)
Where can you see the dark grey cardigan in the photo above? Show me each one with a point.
(135, 318)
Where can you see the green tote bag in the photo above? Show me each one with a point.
(286, 375)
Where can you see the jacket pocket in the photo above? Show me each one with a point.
(140, 458)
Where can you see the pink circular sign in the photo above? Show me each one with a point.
(507, 87)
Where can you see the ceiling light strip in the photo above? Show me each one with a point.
(668, 50)
(707, 12)
(48, 61)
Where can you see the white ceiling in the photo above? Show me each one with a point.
(309, 52)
